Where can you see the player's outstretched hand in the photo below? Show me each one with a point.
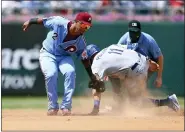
(25, 26)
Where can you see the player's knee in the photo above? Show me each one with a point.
(70, 79)
(70, 74)
(51, 74)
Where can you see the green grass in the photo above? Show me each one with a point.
(32, 102)
(181, 101)
(23, 102)
(41, 102)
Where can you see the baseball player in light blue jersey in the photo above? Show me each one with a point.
(129, 66)
(144, 44)
(64, 39)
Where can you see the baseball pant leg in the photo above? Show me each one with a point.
(117, 91)
(116, 85)
(49, 68)
(67, 68)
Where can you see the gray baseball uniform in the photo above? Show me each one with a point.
(119, 61)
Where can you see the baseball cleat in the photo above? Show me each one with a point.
(65, 112)
(52, 112)
(95, 111)
(173, 103)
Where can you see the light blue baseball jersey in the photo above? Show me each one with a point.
(146, 45)
(54, 41)
(55, 56)
(89, 51)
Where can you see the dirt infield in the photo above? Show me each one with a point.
(148, 119)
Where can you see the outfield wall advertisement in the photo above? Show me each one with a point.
(21, 73)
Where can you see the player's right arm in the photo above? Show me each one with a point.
(32, 21)
(48, 22)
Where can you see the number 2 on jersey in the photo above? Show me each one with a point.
(55, 35)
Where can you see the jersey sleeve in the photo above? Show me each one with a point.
(84, 55)
(154, 49)
(89, 51)
(50, 22)
(123, 39)
(82, 43)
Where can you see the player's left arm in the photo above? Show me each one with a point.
(82, 54)
(158, 56)
(87, 65)
(94, 83)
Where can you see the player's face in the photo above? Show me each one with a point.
(134, 36)
(81, 27)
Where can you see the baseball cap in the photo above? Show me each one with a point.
(134, 25)
(84, 17)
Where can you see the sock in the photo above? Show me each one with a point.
(96, 103)
(160, 102)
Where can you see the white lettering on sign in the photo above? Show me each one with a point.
(13, 60)
(16, 66)
(18, 81)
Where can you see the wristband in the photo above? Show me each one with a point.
(33, 21)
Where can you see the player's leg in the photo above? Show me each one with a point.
(137, 78)
(49, 68)
(117, 92)
(116, 81)
(67, 68)
(135, 81)
(97, 98)
(139, 92)
(135, 89)
(171, 102)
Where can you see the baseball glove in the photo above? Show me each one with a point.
(98, 85)
(153, 66)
